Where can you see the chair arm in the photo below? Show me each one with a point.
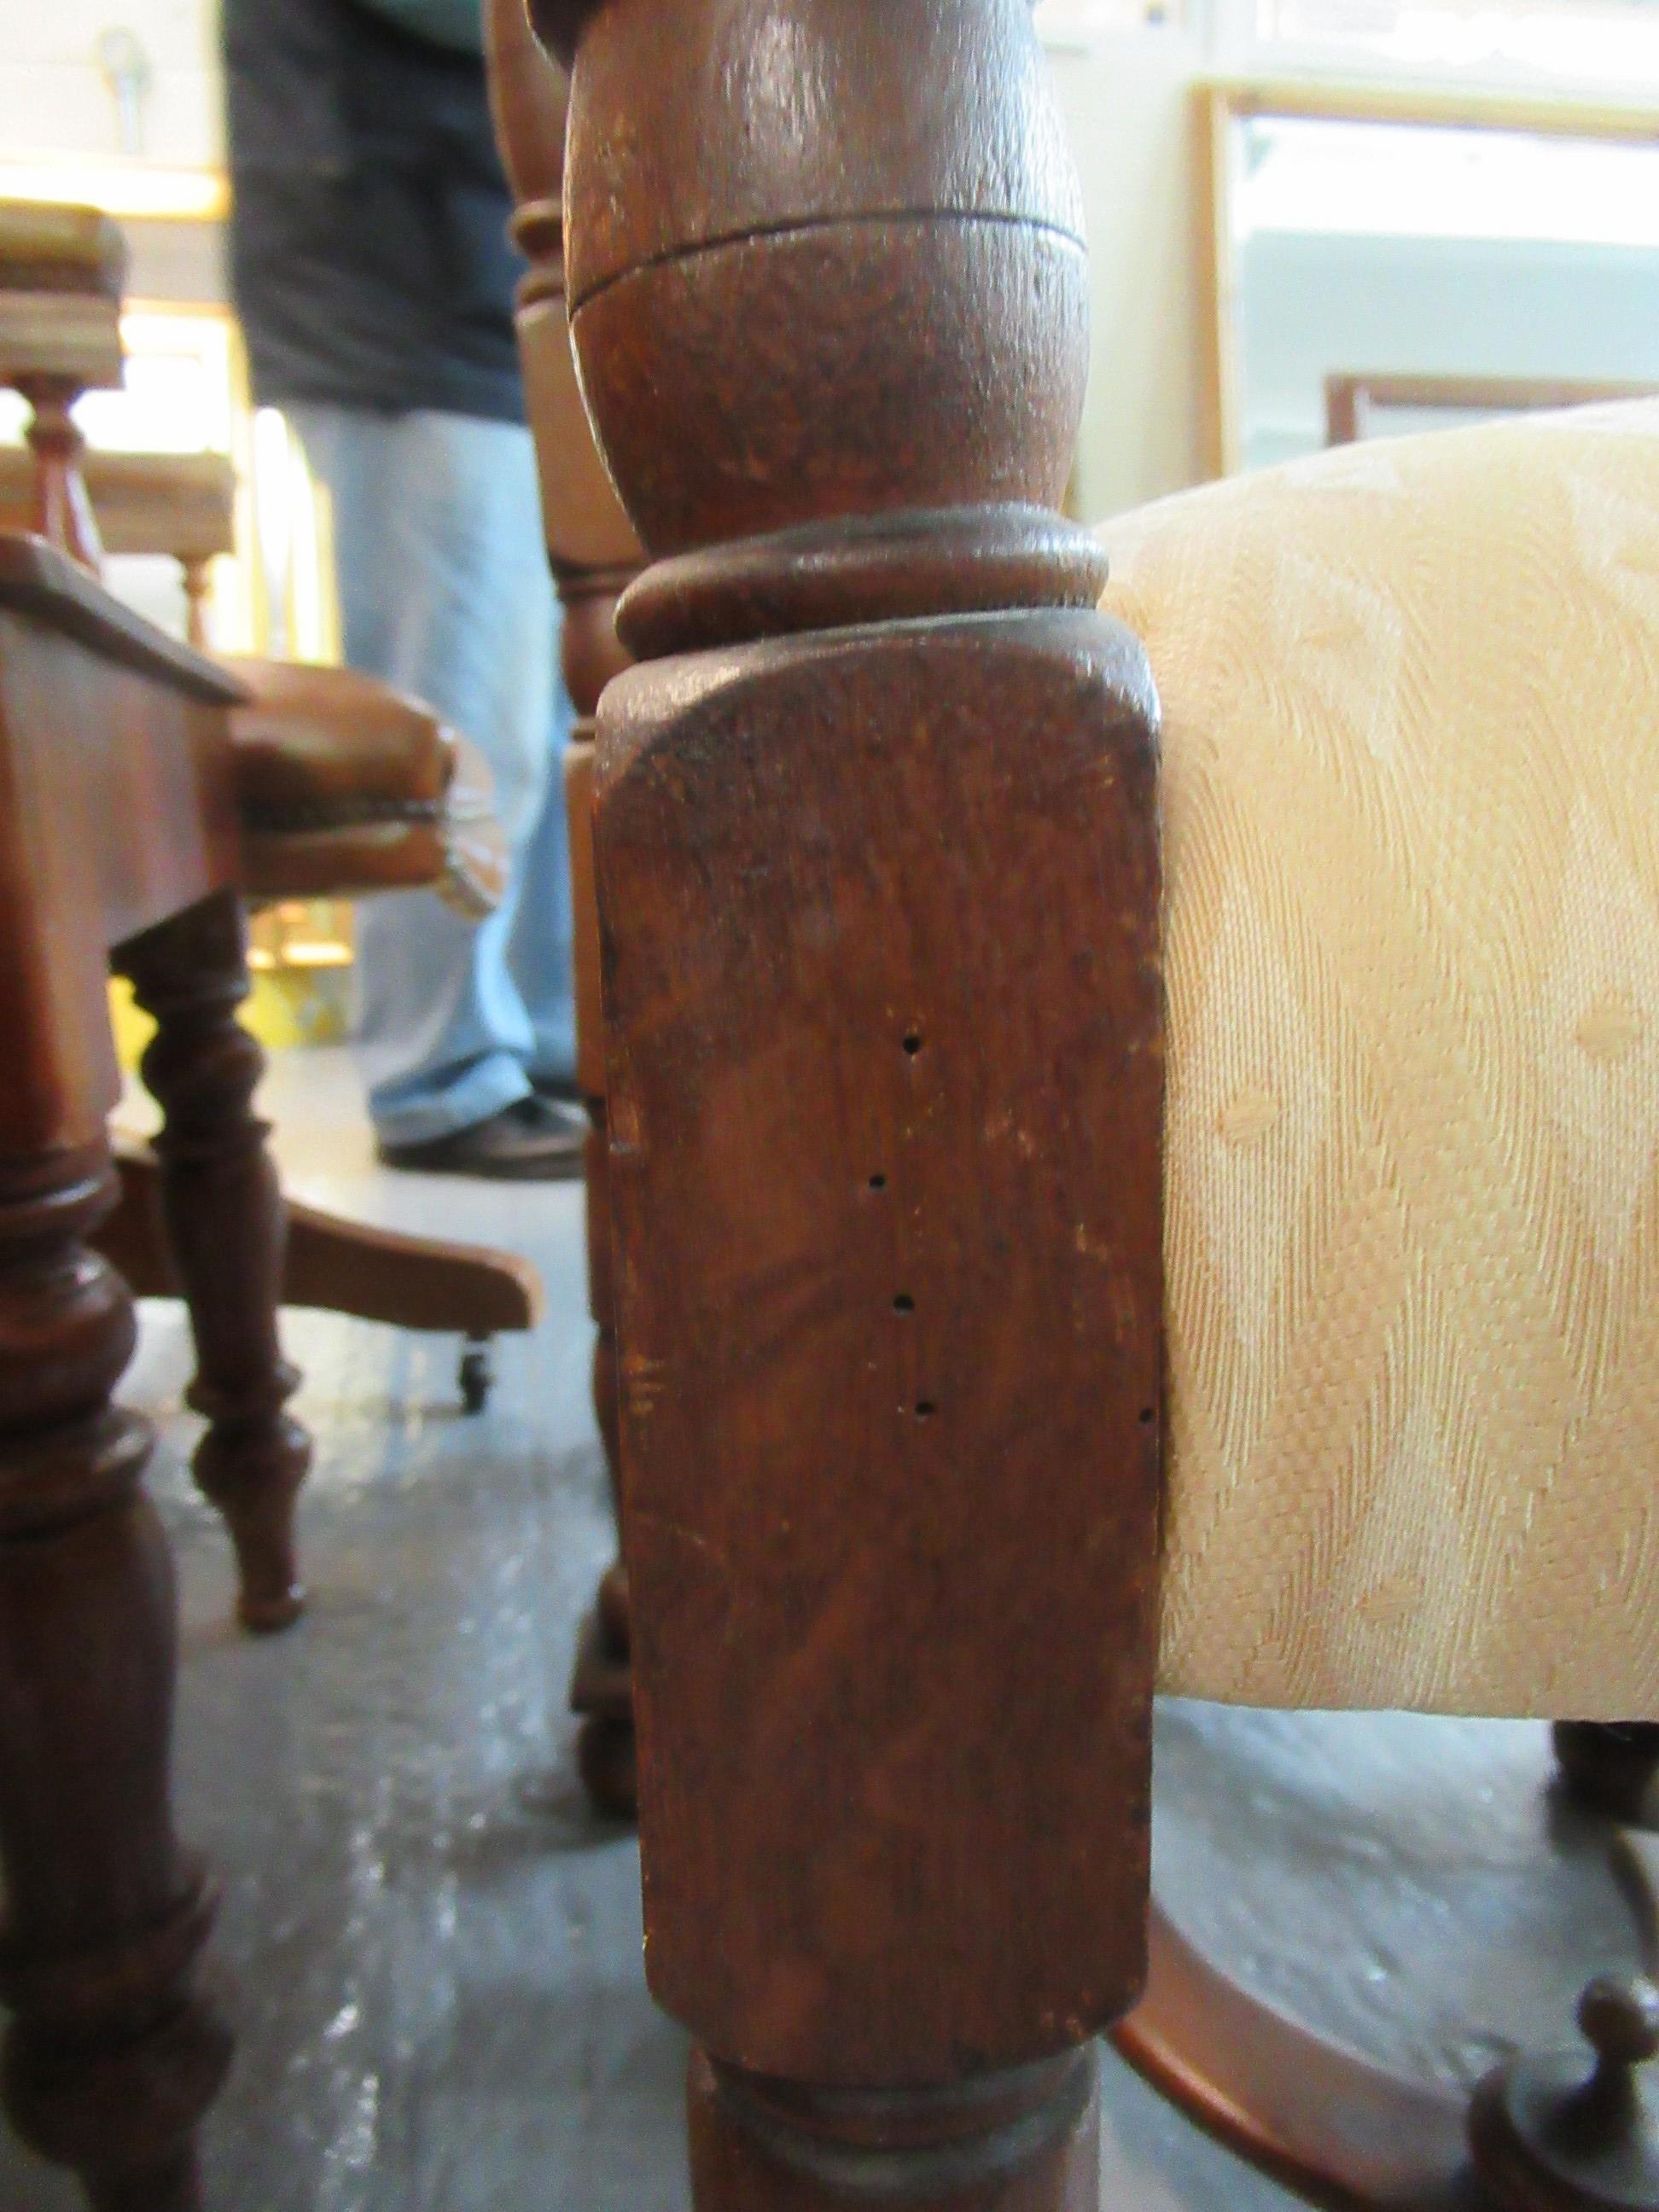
(346, 787)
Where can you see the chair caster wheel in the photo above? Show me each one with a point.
(605, 1754)
(1549, 2136)
(477, 1375)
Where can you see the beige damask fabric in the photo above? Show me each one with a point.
(1410, 693)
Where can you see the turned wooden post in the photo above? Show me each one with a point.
(197, 584)
(111, 2055)
(61, 273)
(226, 1227)
(877, 861)
(62, 512)
(594, 556)
(111, 2058)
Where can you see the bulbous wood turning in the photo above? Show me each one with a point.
(830, 262)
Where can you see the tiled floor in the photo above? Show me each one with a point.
(435, 1975)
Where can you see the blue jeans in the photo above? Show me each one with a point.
(445, 592)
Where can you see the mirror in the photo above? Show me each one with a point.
(1382, 265)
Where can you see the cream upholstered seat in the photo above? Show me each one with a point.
(1411, 701)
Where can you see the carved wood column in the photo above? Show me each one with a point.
(594, 554)
(111, 2057)
(62, 512)
(877, 860)
(227, 1228)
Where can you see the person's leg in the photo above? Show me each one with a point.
(444, 593)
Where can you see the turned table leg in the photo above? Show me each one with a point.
(112, 2055)
(225, 1218)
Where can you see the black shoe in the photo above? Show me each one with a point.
(533, 1140)
(565, 1088)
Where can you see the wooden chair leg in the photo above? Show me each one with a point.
(594, 554)
(334, 1265)
(225, 1222)
(875, 837)
(113, 2056)
(602, 1685)
(1610, 1766)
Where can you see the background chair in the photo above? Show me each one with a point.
(118, 846)
(182, 504)
(345, 788)
(876, 841)
(148, 790)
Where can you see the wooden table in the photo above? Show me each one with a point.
(118, 848)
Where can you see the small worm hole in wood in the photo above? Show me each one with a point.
(913, 1043)
(877, 1183)
(904, 1303)
(1147, 1417)
(926, 1409)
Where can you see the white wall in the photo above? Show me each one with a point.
(1126, 99)
(1127, 102)
(55, 100)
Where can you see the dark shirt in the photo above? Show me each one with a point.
(369, 257)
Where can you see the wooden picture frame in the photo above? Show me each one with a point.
(1219, 103)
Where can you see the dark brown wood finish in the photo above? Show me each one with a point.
(878, 874)
(1343, 2133)
(223, 1208)
(115, 811)
(341, 787)
(112, 2055)
(594, 554)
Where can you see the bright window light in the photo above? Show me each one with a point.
(1550, 44)
(1360, 180)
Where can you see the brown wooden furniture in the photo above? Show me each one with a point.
(1351, 400)
(119, 846)
(594, 554)
(182, 504)
(343, 788)
(876, 852)
(828, 296)
(61, 272)
(143, 790)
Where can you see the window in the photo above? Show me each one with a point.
(1544, 46)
